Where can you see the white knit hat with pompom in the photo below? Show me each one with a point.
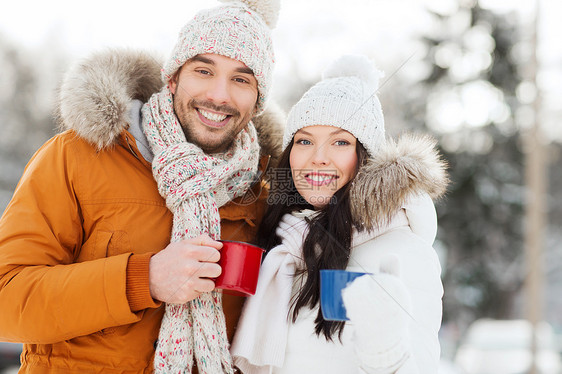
(346, 97)
(238, 29)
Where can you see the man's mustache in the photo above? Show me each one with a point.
(212, 106)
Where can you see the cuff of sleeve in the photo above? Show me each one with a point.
(138, 290)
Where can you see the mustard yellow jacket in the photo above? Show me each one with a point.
(78, 214)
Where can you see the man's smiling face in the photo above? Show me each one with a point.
(214, 99)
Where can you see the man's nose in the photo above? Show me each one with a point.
(218, 91)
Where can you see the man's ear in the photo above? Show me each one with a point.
(255, 107)
(173, 82)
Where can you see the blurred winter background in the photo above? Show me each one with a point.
(483, 76)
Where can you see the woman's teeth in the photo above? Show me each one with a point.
(321, 178)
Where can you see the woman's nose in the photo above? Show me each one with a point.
(320, 156)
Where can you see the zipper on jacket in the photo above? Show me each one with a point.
(131, 148)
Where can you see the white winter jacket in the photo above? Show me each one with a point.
(421, 271)
(393, 197)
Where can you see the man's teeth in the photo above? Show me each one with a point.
(212, 116)
(321, 178)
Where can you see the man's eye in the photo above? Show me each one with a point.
(205, 72)
(241, 80)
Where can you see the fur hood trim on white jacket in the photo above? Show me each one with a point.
(96, 95)
(410, 166)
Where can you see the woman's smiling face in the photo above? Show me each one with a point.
(323, 159)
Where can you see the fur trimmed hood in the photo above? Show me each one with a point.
(410, 166)
(96, 95)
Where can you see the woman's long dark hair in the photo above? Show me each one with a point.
(330, 231)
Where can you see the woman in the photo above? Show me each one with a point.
(349, 200)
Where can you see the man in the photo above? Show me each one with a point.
(117, 215)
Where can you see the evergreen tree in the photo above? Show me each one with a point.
(480, 223)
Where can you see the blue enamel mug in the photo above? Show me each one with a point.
(332, 282)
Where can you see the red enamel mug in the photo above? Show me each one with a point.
(240, 263)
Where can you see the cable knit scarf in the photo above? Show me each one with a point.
(195, 185)
(261, 334)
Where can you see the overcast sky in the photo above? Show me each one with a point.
(309, 34)
(345, 25)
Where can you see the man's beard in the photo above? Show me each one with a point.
(207, 144)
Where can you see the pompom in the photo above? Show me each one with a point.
(267, 9)
(355, 66)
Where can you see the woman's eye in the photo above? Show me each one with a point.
(303, 142)
(342, 142)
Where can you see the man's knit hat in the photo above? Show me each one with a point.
(345, 98)
(240, 30)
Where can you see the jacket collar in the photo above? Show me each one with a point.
(402, 172)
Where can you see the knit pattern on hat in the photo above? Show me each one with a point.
(195, 185)
(238, 30)
(345, 98)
